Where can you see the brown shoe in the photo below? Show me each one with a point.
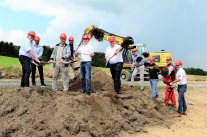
(184, 113)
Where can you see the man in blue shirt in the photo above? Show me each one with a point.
(138, 66)
(25, 55)
(38, 51)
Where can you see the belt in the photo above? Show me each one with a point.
(24, 56)
(182, 84)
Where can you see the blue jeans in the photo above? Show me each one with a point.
(153, 83)
(116, 75)
(85, 73)
(182, 107)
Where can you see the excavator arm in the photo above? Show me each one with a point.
(100, 34)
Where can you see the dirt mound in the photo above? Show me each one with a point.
(42, 113)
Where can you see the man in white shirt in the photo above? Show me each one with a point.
(85, 52)
(25, 55)
(181, 79)
(114, 57)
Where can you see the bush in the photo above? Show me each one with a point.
(195, 71)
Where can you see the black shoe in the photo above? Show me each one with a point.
(118, 92)
(88, 93)
(42, 85)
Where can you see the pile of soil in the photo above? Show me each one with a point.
(40, 112)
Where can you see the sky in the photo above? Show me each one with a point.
(177, 26)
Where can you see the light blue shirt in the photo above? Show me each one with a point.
(140, 63)
(38, 50)
(24, 50)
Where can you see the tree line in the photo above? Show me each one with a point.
(11, 50)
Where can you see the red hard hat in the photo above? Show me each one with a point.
(152, 59)
(71, 38)
(112, 38)
(168, 58)
(178, 63)
(63, 36)
(32, 33)
(37, 38)
(85, 36)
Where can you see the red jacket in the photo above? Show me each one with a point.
(171, 76)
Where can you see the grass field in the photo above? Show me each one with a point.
(9, 61)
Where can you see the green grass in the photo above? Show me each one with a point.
(9, 61)
(104, 69)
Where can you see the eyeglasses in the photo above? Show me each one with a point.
(134, 51)
(85, 39)
(71, 40)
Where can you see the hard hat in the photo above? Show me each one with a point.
(37, 38)
(71, 38)
(152, 59)
(63, 36)
(31, 33)
(178, 63)
(168, 58)
(112, 38)
(85, 36)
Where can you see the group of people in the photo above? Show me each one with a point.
(176, 74)
(63, 56)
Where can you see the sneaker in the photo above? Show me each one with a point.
(42, 85)
(54, 90)
(65, 90)
(33, 84)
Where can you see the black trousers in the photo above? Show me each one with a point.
(26, 70)
(116, 74)
(40, 69)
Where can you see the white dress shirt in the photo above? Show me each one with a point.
(110, 52)
(86, 51)
(182, 76)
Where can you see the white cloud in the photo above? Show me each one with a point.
(70, 17)
(16, 36)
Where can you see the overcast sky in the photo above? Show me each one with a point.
(178, 26)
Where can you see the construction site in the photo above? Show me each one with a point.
(40, 112)
(103, 68)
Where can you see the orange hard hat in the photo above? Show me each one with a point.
(37, 38)
(152, 59)
(168, 58)
(112, 38)
(63, 36)
(178, 63)
(71, 38)
(32, 33)
(85, 36)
